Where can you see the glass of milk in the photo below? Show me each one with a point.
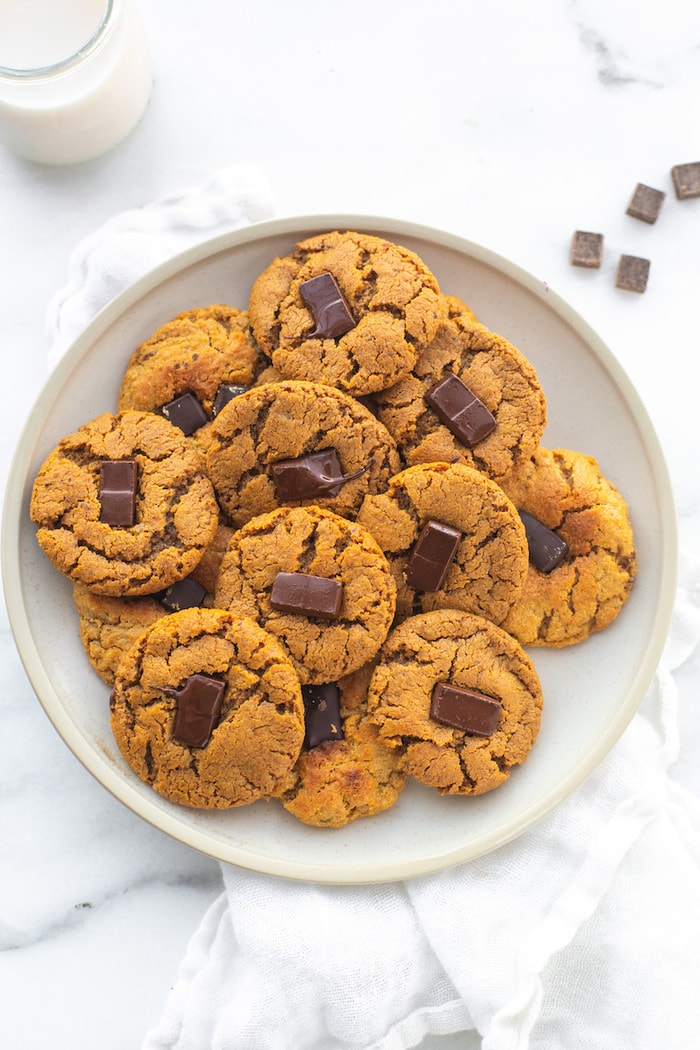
(74, 77)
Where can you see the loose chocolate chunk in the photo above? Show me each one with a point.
(460, 410)
(686, 180)
(464, 709)
(632, 273)
(186, 413)
(306, 477)
(299, 592)
(322, 713)
(226, 393)
(545, 548)
(586, 249)
(327, 303)
(118, 492)
(198, 709)
(646, 203)
(432, 556)
(185, 594)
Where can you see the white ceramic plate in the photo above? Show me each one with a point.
(591, 690)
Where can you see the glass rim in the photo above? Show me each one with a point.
(83, 52)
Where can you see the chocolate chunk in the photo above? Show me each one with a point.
(632, 273)
(464, 709)
(299, 592)
(432, 556)
(186, 413)
(198, 709)
(118, 492)
(226, 393)
(460, 410)
(546, 549)
(306, 477)
(185, 594)
(322, 713)
(646, 203)
(327, 303)
(586, 249)
(686, 180)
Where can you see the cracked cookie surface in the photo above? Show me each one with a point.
(286, 420)
(176, 511)
(468, 652)
(339, 781)
(489, 567)
(391, 294)
(494, 370)
(566, 491)
(260, 729)
(316, 542)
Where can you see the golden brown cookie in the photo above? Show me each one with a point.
(493, 372)
(470, 673)
(372, 307)
(317, 582)
(449, 518)
(348, 773)
(167, 512)
(278, 422)
(565, 491)
(206, 354)
(207, 709)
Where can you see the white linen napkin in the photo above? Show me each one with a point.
(555, 940)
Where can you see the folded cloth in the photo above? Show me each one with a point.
(558, 938)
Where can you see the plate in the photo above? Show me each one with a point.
(591, 690)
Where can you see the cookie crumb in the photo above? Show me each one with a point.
(646, 203)
(586, 249)
(686, 180)
(632, 273)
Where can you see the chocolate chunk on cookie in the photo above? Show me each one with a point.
(474, 554)
(207, 709)
(456, 750)
(295, 442)
(313, 543)
(492, 376)
(565, 491)
(347, 774)
(379, 308)
(175, 510)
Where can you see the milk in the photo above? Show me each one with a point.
(77, 108)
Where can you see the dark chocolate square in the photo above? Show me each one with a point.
(632, 273)
(646, 203)
(586, 249)
(465, 709)
(686, 180)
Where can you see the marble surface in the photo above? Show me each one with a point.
(511, 125)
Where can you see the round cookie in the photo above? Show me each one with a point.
(242, 752)
(317, 544)
(340, 780)
(463, 652)
(175, 512)
(286, 420)
(390, 300)
(566, 491)
(489, 566)
(494, 371)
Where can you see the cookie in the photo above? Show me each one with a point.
(207, 709)
(317, 582)
(278, 422)
(124, 504)
(344, 308)
(458, 700)
(499, 381)
(566, 491)
(453, 540)
(348, 774)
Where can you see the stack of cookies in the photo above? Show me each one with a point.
(312, 544)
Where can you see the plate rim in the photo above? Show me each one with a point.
(102, 768)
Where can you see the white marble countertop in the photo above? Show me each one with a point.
(511, 125)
